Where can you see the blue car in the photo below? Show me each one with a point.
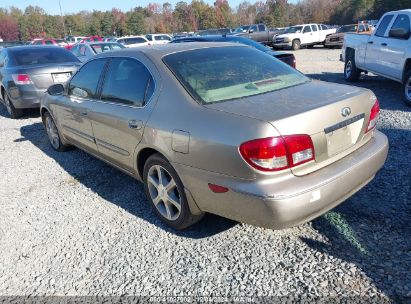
(283, 56)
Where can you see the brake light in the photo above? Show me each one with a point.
(375, 113)
(21, 79)
(278, 153)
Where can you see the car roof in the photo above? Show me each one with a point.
(34, 47)
(159, 51)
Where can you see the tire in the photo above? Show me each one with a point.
(53, 134)
(406, 88)
(11, 110)
(296, 44)
(165, 192)
(351, 72)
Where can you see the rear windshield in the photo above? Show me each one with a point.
(225, 73)
(41, 55)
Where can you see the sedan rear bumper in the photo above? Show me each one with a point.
(291, 200)
(26, 96)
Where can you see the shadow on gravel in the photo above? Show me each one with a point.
(383, 88)
(115, 186)
(373, 228)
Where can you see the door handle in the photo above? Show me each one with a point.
(370, 42)
(135, 124)
(384, 44)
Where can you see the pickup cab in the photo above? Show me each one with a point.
(303, 35)
(385, 52)
(257, 32)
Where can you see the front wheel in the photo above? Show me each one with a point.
(406, 87)
(296, 44)
(53, 133)
(165, 191)
(351, 72)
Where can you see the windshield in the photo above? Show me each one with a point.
(293, 30)
(224, 73)
(347, 29)
(42, 55)
(241, 29)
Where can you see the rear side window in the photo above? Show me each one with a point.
(33, 56)
(402, 22)
(307, 29)
(128, 82)
(382, 27)
(324, 27)
(85, 82)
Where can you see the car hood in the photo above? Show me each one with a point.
(287, 35)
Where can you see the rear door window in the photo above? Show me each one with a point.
(307, 29)
(402, 22)
(127, 82)
(383, 25)
(261, 27)
(314, 27)
(85, 82)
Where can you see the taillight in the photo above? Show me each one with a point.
(278, 153)
(21, 79)
(375, 113)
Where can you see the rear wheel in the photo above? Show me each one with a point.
(351, 72)
(11, 110)
(407, 88)
(296, 44)
(53, 133)
(165, 192)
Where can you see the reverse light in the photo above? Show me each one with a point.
(375, 113)
(21, 79)
(278, 153)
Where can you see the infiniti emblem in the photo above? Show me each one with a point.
(345, 111)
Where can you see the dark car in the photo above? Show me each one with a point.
(26, 72)
(283, 56)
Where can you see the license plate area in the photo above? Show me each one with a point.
(343, 135)
(61, 77)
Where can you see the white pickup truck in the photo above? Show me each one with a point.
(386, 52)
(303, 35)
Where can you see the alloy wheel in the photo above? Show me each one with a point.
(407, 89)
(52, 132)
(348, 69)
(164, 192)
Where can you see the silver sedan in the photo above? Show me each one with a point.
(220, 128)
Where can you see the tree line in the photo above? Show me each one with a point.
(34, 22)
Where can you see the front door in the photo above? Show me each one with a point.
(73, 114)
(119, 117)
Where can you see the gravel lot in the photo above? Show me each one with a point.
(71, 225)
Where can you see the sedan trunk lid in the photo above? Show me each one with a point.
(335, 116)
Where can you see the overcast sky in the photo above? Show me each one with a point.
(72, 6)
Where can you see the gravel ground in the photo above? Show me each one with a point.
(71, 225)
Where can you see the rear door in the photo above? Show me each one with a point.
(376, 47)
(394, 49)
(307, 35)
(74, 113)
(119, 116)
(316, 33)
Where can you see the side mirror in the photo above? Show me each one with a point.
(56, 89)
(400, 33)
